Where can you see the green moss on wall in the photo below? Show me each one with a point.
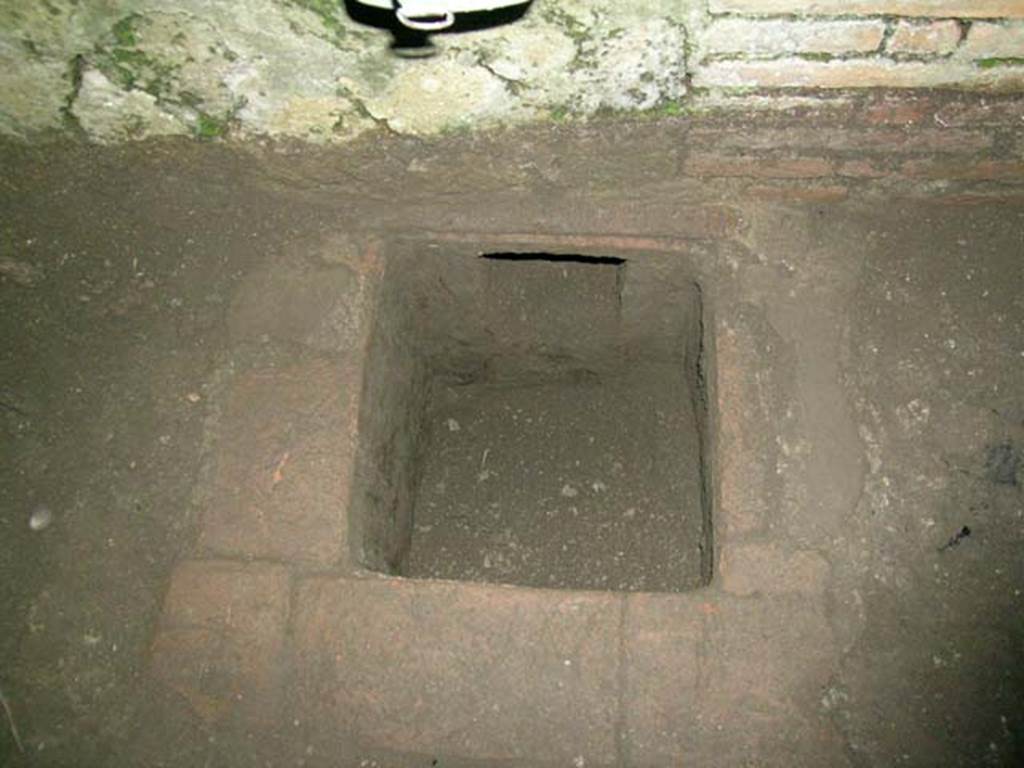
(127, 65)
(1006, 61)
(329, 12)
(124, 31)
(208, 127)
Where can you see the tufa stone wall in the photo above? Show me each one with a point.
(127, 69)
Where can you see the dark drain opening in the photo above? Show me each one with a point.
(555, 258)
(536, 419)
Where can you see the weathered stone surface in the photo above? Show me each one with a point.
(750, 569)
(321, 307)
(442, 93)
(108, 113)
(854, 73)
(747, 400)
(751, 36)
(765, 664)
(31, 92)
(221, 638)
(663, 636)
(137, 68)
(302, 69)
(936, 37)
(480, 672)
(285, 457)
(640, 66)
(994, 41)
(965, 9)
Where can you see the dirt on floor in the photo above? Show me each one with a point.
(118, 268)
(113, 306)
(584, 485)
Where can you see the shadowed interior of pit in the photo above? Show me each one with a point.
(536, 419)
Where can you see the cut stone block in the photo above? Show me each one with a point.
(481, 672)
(284, 465)
(221, 638)
(663, 637)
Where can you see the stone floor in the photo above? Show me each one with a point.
(183, 388)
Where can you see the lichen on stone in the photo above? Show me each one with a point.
(108, 113)
(127, 69)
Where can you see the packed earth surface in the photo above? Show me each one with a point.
(198, 451)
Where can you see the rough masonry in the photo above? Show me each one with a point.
(306, 69)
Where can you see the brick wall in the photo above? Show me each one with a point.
(976, 44)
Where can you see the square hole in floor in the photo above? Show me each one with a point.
(535, 419)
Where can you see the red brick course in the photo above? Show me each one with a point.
(980, 170)
(823, 194)
(757, 167)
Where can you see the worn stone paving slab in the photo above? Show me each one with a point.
(284, 465)
(222, 637)
(320, 306)
(480, 672)
(750, 398)
(494, 673)
(663, 637)
(761, 650)
(750, 569)
(765, 666)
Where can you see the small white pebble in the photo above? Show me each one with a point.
(453, 425)
(569, 492)
(40, 518)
